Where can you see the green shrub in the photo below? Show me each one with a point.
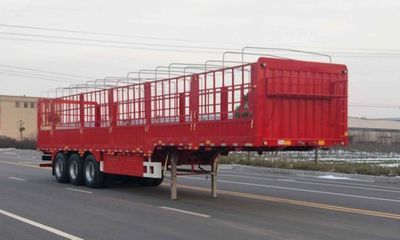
(396, 171)
(7, 142)
(26, 144)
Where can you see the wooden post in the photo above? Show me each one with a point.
(316, 156)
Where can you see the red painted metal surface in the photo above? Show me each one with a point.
(272, 104)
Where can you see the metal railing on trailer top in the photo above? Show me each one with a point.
(173, 70)
(169, 100)
(169, 88)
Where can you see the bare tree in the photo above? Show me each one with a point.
(21, 129)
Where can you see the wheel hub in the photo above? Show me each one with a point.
(89, 171)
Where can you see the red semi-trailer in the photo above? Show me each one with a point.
(145, 128)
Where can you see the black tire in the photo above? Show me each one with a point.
(60, 168)
(75, 169)
(149, 182)
(93, 177)
(157, 181)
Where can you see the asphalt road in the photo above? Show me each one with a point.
(249, 206)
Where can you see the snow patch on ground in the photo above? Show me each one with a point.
(333, 177)
(7, 149)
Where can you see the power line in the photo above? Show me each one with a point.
(342, 54)
(42, 71)
(361, 53)
(28, 76)
(99, 33)
(169, 50)
(375, 106)
(111, 41)
(174, 39)
(349, 55)
(107, 46)
(339, 54)
(366, 56)
(40, 75)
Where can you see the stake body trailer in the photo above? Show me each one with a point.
(144, 129)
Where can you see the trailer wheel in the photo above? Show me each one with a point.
(61, 168)
(93, 177)
(150, 182)
(75, 169)
(157, 181)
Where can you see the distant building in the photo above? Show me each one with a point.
(363, 130)
(18, 116)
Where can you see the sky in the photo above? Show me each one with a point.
(363, 34)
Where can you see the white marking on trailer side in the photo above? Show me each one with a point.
(39, 225)
(153, 169)
(186, 212)
(78, 190)
(17, 179)
(101, 166)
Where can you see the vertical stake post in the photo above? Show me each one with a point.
(316, 156)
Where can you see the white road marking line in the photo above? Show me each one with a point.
(312, 179)
(349, 181)
(30, 162)
(286, 180)
(298, 202)
(316, 183)
(184, 211)
(303, 190)
(39, 225)
(333, 177)
(17, 179)
(22, 164)
(78, 190)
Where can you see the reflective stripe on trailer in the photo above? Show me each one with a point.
(152, 169)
